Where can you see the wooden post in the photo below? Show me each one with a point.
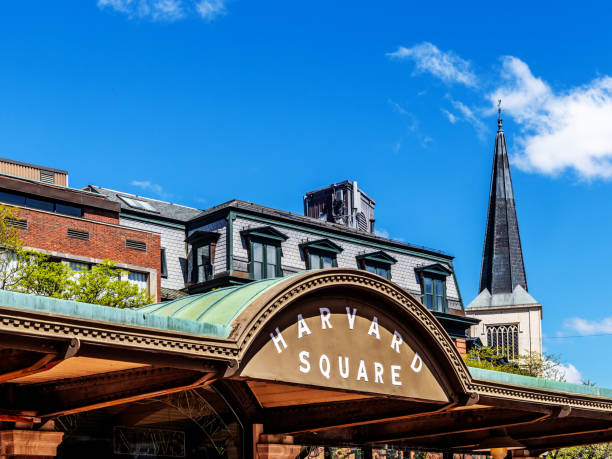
(35, 444)
(276, 447)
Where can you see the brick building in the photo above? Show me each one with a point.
(78, 227)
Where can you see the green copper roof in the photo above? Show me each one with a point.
(539, 383)
(219, 307)
(207, 314)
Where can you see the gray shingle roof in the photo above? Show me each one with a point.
(301, 219)
(167, 210)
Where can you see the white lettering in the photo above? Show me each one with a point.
(343, 372)
(396, 341)
(302, 327)
(361, 372)
(278, 340)
(325, 315)
(378, 372)
(351, 317)
(327, 370)
(417, 363)
(305, 367)
(395, 369)
(374, 328)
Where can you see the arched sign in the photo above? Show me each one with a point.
(344, 344)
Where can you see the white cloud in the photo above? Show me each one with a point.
(209, 9)
(165, 10)
(469, 116)
(589, 327)
(149, 186)
(452, 118)
(446, 66)
(563, 130)
(570, 373)
(397, 107)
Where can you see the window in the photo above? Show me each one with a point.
(377, 262)
(16, 199)
(264, 251)
(40, 204)
(434, 295)
(265, 260)
(505, 338)
(164, 266)
(433, 286)
(139, 279)
(66, 209)
(377, 268)
(202, 263)
(78, 266)
(321, 260)
(201, 256)
(321, 254)
(138, 204)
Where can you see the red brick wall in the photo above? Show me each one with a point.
(47, 231)
(460, 344)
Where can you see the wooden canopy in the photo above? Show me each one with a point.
(332, 357)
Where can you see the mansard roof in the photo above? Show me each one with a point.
(502, 257)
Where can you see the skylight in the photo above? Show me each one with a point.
(137, 204)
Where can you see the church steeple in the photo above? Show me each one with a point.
(502, 257)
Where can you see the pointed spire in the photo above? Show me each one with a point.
(499, 118)
(502, 257)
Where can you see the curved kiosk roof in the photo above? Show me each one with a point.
(334, 357)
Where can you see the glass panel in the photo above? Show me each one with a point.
(12, 198)
(438, 303)
(427, 301)
(76, 266)
(382, 272)
(371, 268)
(39, 204)
(257, 270)
(257, 251)
(428, 285)
(438, 286)
(327, 262)
(271, 271)
(68, 210)
(136, 277)
(271, 254)
(315, 262)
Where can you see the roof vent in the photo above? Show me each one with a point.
(47, 176)
(137, 245)
(76, 234)
(16, 223)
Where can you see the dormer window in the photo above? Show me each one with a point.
(201, 258)
(321, 254)
(265, 252)
(433, 286)
(377, 263)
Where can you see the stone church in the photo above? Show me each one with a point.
(510, 317)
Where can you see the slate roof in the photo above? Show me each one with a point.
(502, 257)
(264, 211)
(167, 210)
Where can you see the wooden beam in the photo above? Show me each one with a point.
(43, 364)
(199, 382)
(325, 416)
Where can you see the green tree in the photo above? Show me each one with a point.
(104, 284)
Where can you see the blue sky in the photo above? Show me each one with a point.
(202, 101)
